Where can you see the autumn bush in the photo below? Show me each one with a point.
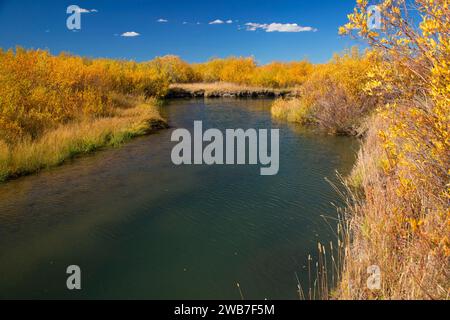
(175, 69)
(245, 71)
(398, 217)
(234, 69)
(41, 93)
(333, 95)
(397, 95)
(282, 75)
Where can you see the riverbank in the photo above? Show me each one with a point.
(396, 220)
(225, 90)
(398, 217)
(54, 108)
(67, 141)
(394, 229)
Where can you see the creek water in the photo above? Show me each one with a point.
(140, 227)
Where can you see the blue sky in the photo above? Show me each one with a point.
(282, 30)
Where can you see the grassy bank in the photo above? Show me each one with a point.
(399, 217)
(397, 98)
(57, 145)
(224, 89)
(56, 107)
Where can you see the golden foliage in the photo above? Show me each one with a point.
(175, 69)
(282, 75)
(333, 95)
(402, 223)
(234, 69)
(245, 71)
(39, 91)
(53, 107)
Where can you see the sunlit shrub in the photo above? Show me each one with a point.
(39, 91)
(282, 75)
(234, 69)
(175, 69)
(245, 71)
(402, 221)
(333, 94)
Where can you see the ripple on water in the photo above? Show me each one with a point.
(132, 218)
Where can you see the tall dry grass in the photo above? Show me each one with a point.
(399, 218)
(404, 233)
(216, 87)
(292, 110)
(398, 197)
(67, 141)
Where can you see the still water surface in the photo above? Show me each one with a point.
(140, 227)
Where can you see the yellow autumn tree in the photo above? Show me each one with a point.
(402, 222)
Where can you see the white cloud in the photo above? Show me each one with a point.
(288, 27)
(130, 34)
(218, 21)
(161, 20)
(184, 22)
(82, 10)
(278, 27)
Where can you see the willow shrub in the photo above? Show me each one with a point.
(39, 91)
(245, 71)
(333, 95)
(402, 221)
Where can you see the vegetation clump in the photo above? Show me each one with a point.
(55, 107)
(400, 218)
(333, 96)
(397, 93)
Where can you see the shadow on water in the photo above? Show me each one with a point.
(140, 227)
